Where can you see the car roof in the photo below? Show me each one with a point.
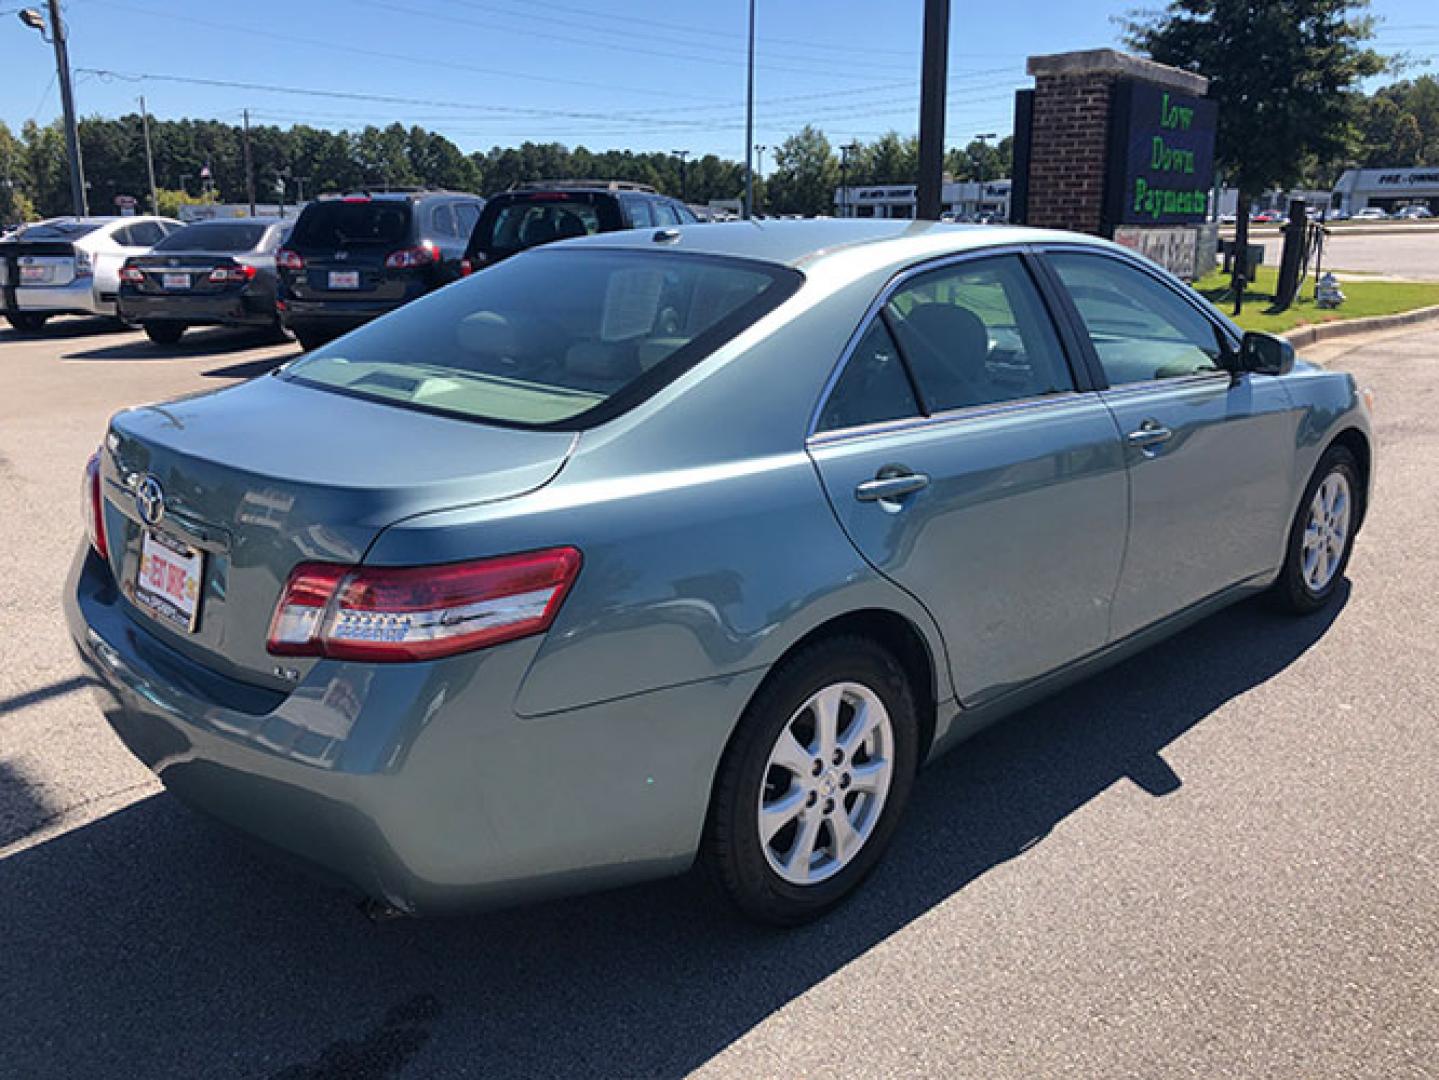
(258, 219)
(807, 242)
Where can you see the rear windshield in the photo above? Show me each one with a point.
(216, 236)
(337, 223)
(537, 220)
(56, 230)
(554, 338)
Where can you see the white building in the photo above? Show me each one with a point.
(963, 199)
(1388, 189)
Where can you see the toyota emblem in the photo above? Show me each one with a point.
(150, 500)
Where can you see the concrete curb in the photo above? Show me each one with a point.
(1304, 336)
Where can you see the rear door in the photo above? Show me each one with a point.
(345, 243)
(970, 465)
(1210, 456)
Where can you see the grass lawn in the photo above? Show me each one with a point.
(1362, 299)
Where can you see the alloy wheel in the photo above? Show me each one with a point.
(825, 783)
(1326, 531)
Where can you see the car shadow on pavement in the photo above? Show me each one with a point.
(195, 343)
(248, 369)
(60, 329)
(151, 942)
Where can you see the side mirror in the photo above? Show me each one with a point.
(1265, 354)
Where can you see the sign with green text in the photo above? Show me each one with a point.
(1161, 156)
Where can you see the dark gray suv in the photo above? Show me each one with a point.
(548, 210)
(354, 257)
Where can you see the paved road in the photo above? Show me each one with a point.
(1407, 255)
(1221, 859)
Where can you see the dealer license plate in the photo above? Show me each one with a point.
(35, 273)
(169, 581)
(175, 281)
(344, 279)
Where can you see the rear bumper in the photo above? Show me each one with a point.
(221, 309)
(336, 315)
(416, 783)
(80, 297)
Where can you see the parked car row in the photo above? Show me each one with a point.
(341, 263)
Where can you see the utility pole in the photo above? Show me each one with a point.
(149, 157)
(249, 167)
(934, 76)
(759, 150)
(749, 126)
(683, 155)
(844, 152)
(57, 37)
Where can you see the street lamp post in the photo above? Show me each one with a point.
(57, 35)
(844, 151)
(683, 155)
(982, 138)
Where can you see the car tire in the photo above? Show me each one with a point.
(311, 340)
(807, 865)
(164, 333)
(1321, 537)
(26, 322)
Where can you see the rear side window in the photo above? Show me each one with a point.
(141, 234)
(641, 216)
(467, 215)
(530, 223)
(977, 333)
(873, 386)
(336, 223)
(553, 339)
(216, 236)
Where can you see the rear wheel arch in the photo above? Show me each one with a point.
(899, 636)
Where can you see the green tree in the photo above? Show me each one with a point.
(1284, 74)
(806, 175)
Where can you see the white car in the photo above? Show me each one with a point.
(1371, 213)
(71, 266)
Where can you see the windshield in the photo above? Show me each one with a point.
(63, 229)
(216, 236)
(339, 222)
(556, 338)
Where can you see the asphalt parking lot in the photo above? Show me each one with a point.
(1220, 859)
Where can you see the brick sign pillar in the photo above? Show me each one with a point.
(1117, 146)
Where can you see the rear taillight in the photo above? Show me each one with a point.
(408, 258)
(132, 274)
(94, 507)
(232, 273)
(84, 266)
(286, 259)
(419, 612)
(466, 268)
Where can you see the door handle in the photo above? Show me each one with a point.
(1150, 433)
(885, 488)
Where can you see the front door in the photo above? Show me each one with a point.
(967, 466)
(1210, 456)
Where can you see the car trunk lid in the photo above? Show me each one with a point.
(260, 477)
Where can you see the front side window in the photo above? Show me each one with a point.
(555, 338)
(1141, 329)
(977, 333)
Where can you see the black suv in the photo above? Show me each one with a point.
(353, 257)
(546, 210)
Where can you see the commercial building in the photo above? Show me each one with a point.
(1388, 189)
(962, 198)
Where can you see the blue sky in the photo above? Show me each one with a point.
(643, 74)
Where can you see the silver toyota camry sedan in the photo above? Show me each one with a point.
(689, 545)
